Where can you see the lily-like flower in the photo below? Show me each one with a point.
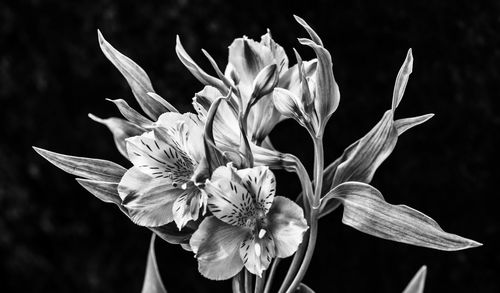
(161, 186)
(250, 225)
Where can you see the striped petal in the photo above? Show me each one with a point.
(287, 226)
(187, 206)
(257, 251)
(159, 156)
(216, 245)
(149, 200)
(260, 181)
(228, 199)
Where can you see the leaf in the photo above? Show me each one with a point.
(213, 154)
(309, 30)
(137, 79)
(402, 80)
(366, 210)
(404, 124)
(121, 130)
(417, 284)
(95, 169)
(303, 288)
(105, 191)
(370, 152)
(130, 114)
(152, 279)
(195, 70)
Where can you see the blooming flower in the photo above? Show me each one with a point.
(249, 226)
(160, 187)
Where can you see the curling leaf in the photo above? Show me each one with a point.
(121, 130)
(366, 210)
(130, 114)
(94, 169)
(152, 279)
(404, 124)
(417, 284)
(303, 288)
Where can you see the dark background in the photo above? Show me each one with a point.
(55, 237)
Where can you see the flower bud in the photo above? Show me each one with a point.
(264, 82)
(289, 105)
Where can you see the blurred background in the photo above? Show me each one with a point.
(56, 237)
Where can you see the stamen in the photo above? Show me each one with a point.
(262, 233)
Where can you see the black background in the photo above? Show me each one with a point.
(55, 237)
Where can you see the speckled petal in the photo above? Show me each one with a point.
(149, 200)
(287, 225)
(262, 184)
(216, 245)
(228, 199)
(257, 251)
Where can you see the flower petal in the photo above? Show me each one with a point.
(187, 206)
(228, 199)
(262, 184)
(149, 200)
(257, 252)
(159, 156)
(216, 245)
(277, 51)
(287, 226)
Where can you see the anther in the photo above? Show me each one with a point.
(262, 233)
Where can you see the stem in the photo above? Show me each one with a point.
(318, 180)
(259, 283)
(248, 282)
(237, 284)
(272, 272)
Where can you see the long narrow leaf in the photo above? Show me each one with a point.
(370, 152)
(137, 79)
(404, 124)
(121, 130)
(105, 191)
(152, 279)
(402, 80)
(130, 114)
(366, 210)
(94, 169)
(417, 284)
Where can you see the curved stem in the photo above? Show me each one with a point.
(237, 284)
(313, 220)
(272, 272)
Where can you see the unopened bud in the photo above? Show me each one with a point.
(265, 81)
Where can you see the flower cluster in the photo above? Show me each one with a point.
(203, 180)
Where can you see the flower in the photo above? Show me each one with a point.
(249, 226)
(160, 187)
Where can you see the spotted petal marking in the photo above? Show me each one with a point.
(228, 199)
(187, 206)
(261, 183)
(257, 252)
(160, 156)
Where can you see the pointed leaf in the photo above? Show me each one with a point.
(95, 169)
(314, 36)
(417, 284)
(219, 73)
(105, 191)
(213, 154)
(130, 114)
(402, 80)
(136, 77)
(370, 152)
(366, 210)
(121, 130)
(404, 124)
(152, 279)
(196, 70)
